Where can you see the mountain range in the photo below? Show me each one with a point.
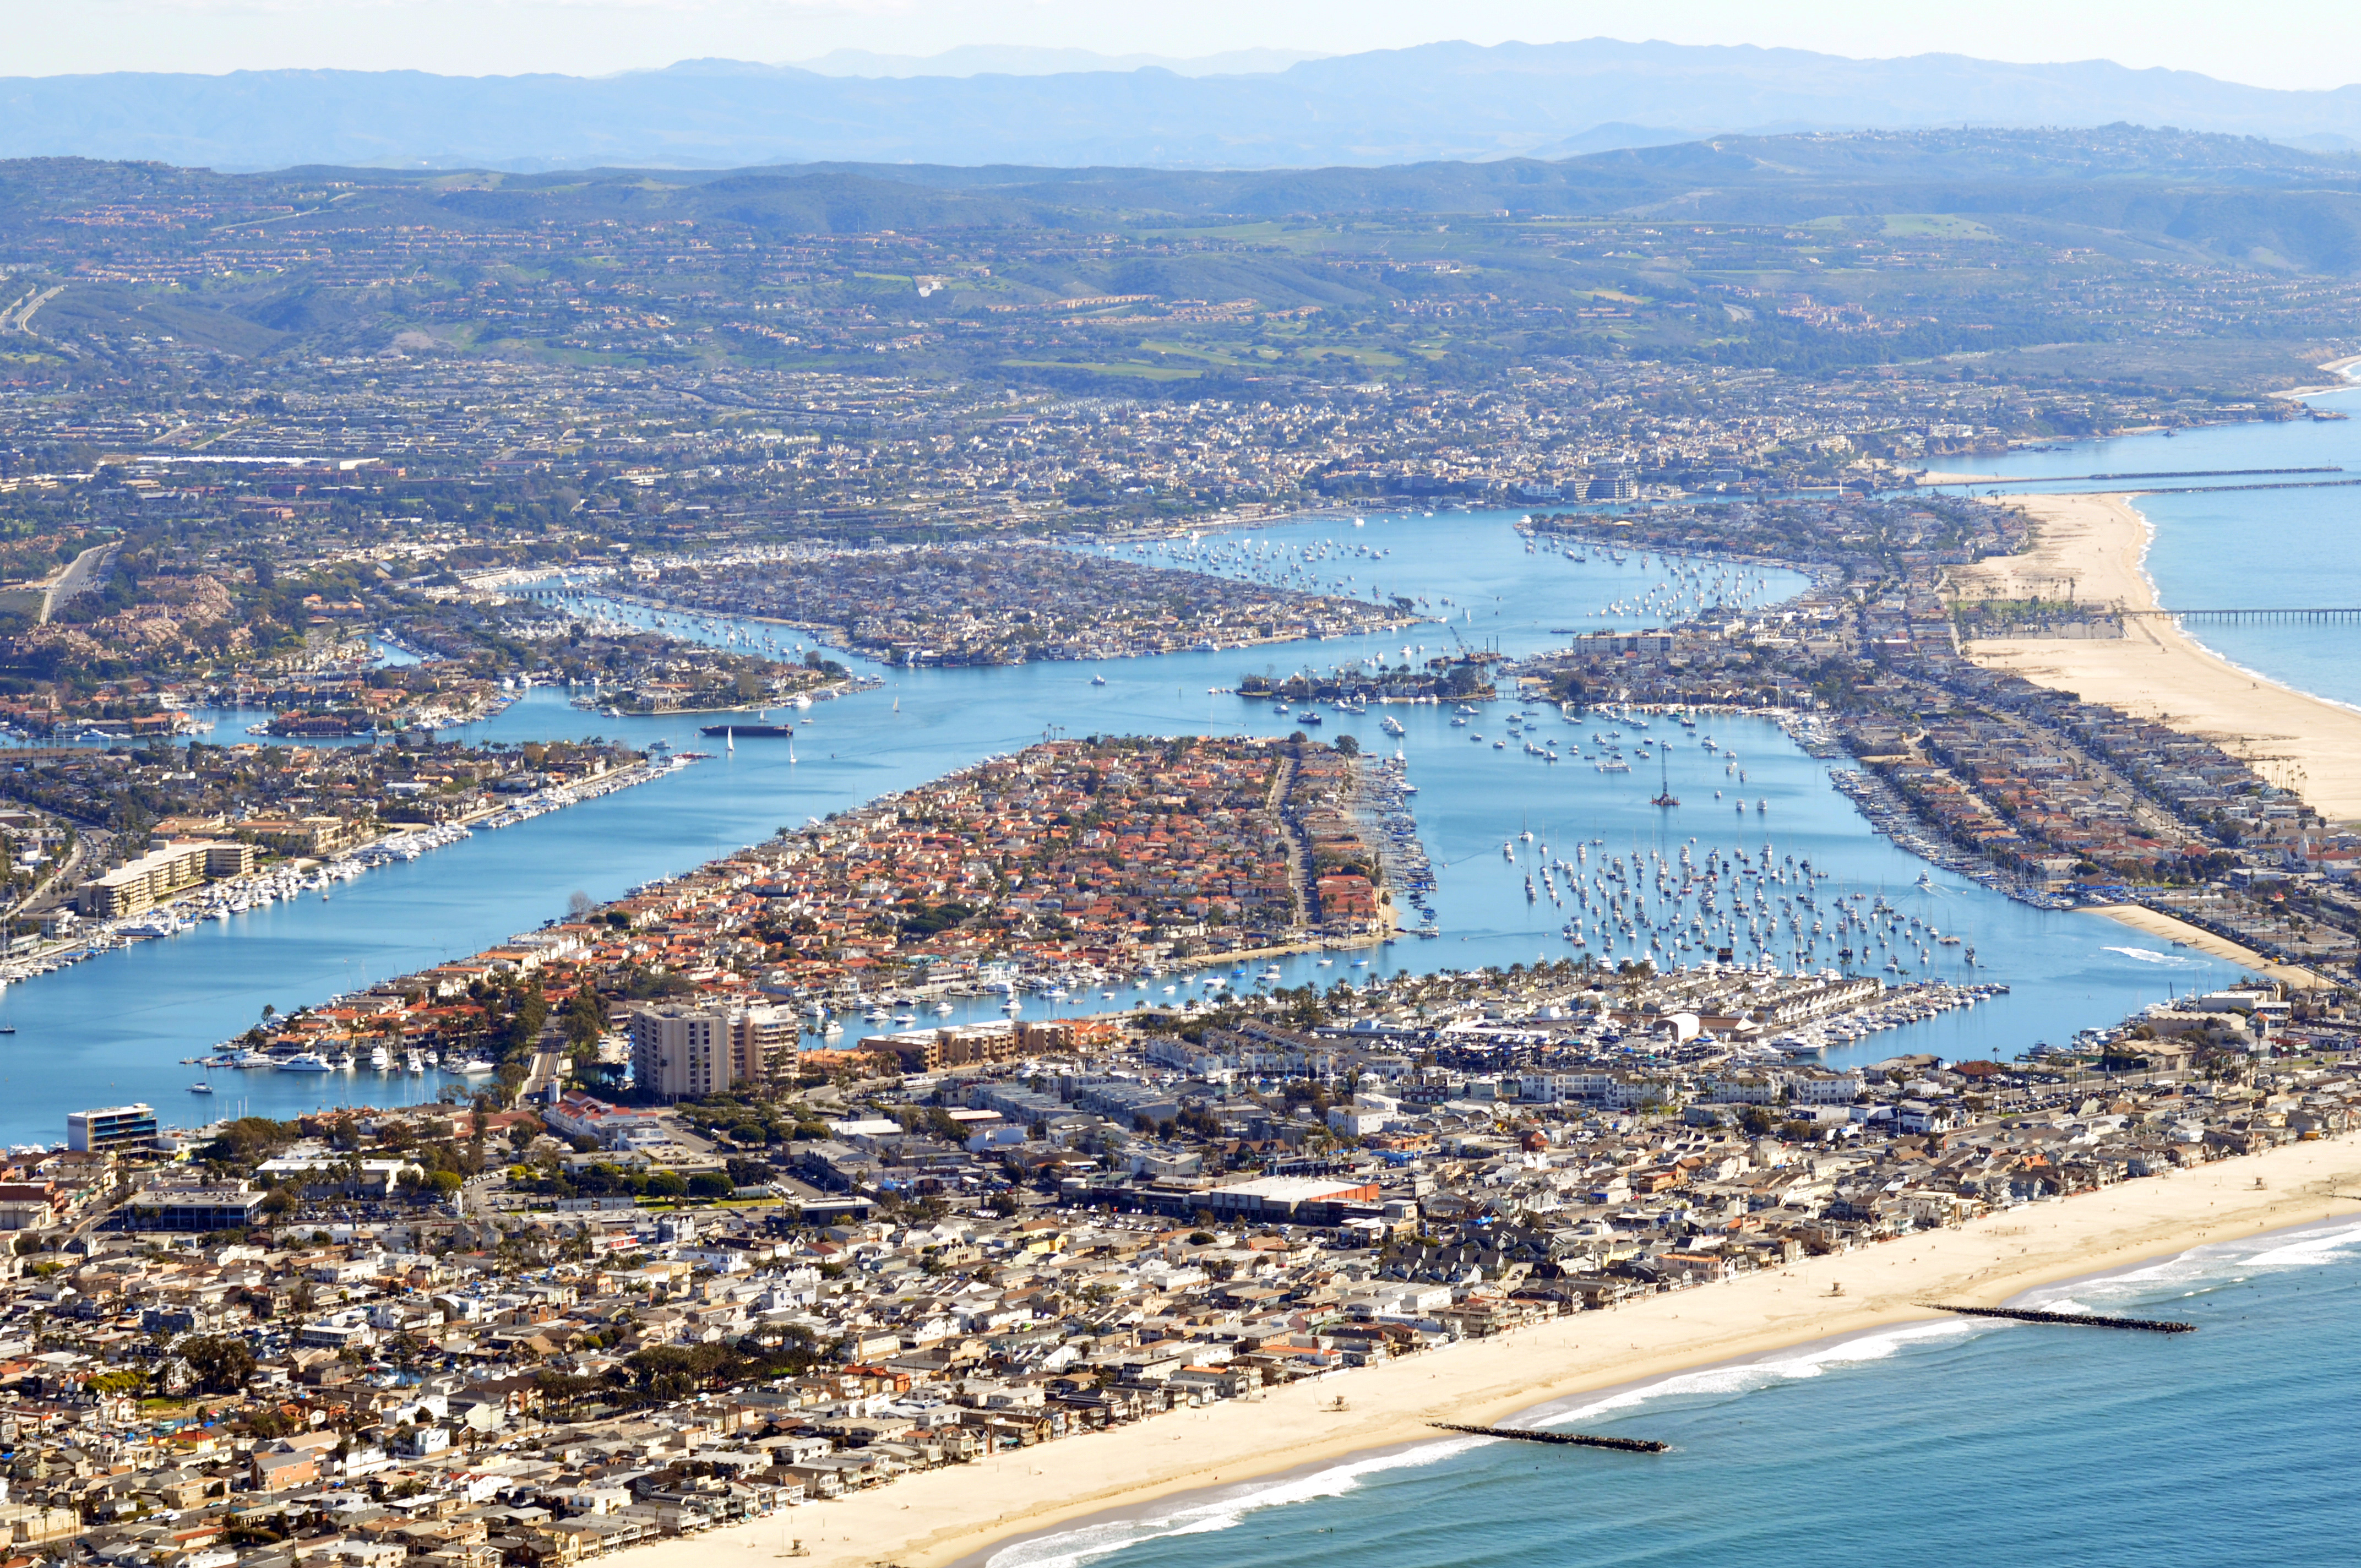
(1442, 101)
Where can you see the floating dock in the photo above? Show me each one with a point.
(2071, 1319)
(1563, 1438)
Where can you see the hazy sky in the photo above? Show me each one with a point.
(2297, 43)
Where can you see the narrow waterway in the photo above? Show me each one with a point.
(117, 1027)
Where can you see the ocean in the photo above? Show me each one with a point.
(1946, 1442)
(2245, 548)
(1952, 1441)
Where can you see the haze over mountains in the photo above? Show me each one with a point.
(1017, 60)
(1436, 102)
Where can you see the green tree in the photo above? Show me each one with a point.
(222, 1364)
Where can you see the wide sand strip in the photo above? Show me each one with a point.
(2095, 544)
(2340, 368)
(2156, 923)
(939, 1516)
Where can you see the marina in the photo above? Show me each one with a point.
(205, 984)
(224, 901)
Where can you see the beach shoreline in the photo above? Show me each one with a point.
(969, 1513)
(2348, 373)
(2095, 546)
(2157, 923)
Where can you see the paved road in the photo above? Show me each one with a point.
(91, 847)
(18, 317)
(549, 1066)
(88, 569)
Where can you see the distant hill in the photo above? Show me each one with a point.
(1447, 101)
(2232, 198)
(1009, 59)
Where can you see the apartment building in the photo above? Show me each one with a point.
(682, 1052)
(111, 1127)
(170, 866)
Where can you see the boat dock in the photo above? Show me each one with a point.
(2071, 1319)
(1563, 1438)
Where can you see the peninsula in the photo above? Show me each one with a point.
(960, 1514)
(1024, 1273)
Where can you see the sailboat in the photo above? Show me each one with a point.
(730, 740)
(1664, 796)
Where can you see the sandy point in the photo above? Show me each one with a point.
(2156, 923)
(2346, 370)
(940, 1516)
(2094, 546)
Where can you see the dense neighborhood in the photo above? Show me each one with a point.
(464, 1335)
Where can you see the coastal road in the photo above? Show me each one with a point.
(89, 843)
(18, 317)
(86, 569)
(549, 1067)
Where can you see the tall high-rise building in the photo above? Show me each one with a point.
(681, 1051)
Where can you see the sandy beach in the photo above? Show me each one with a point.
(2096, 543)
(2342, 370)
(2154, 923)
(937, 1517)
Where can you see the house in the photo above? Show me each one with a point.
(276, 1471)
(1922, 1116)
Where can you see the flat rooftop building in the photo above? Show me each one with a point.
(1289, 1200)
(111, 1127)
(195, 1206)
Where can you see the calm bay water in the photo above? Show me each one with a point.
(2115, 1448)
(115, 1028)
(1944, 1444)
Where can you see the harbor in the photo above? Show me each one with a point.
(287, 882)
(205, 984)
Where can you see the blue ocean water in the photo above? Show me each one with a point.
(2284, 548)
(117, 1027)
(1948, 1442)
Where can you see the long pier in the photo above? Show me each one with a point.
(2276, 615)
(1563, 1438)
(2071, 1319)
(2278, 485)
(2146, 474)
